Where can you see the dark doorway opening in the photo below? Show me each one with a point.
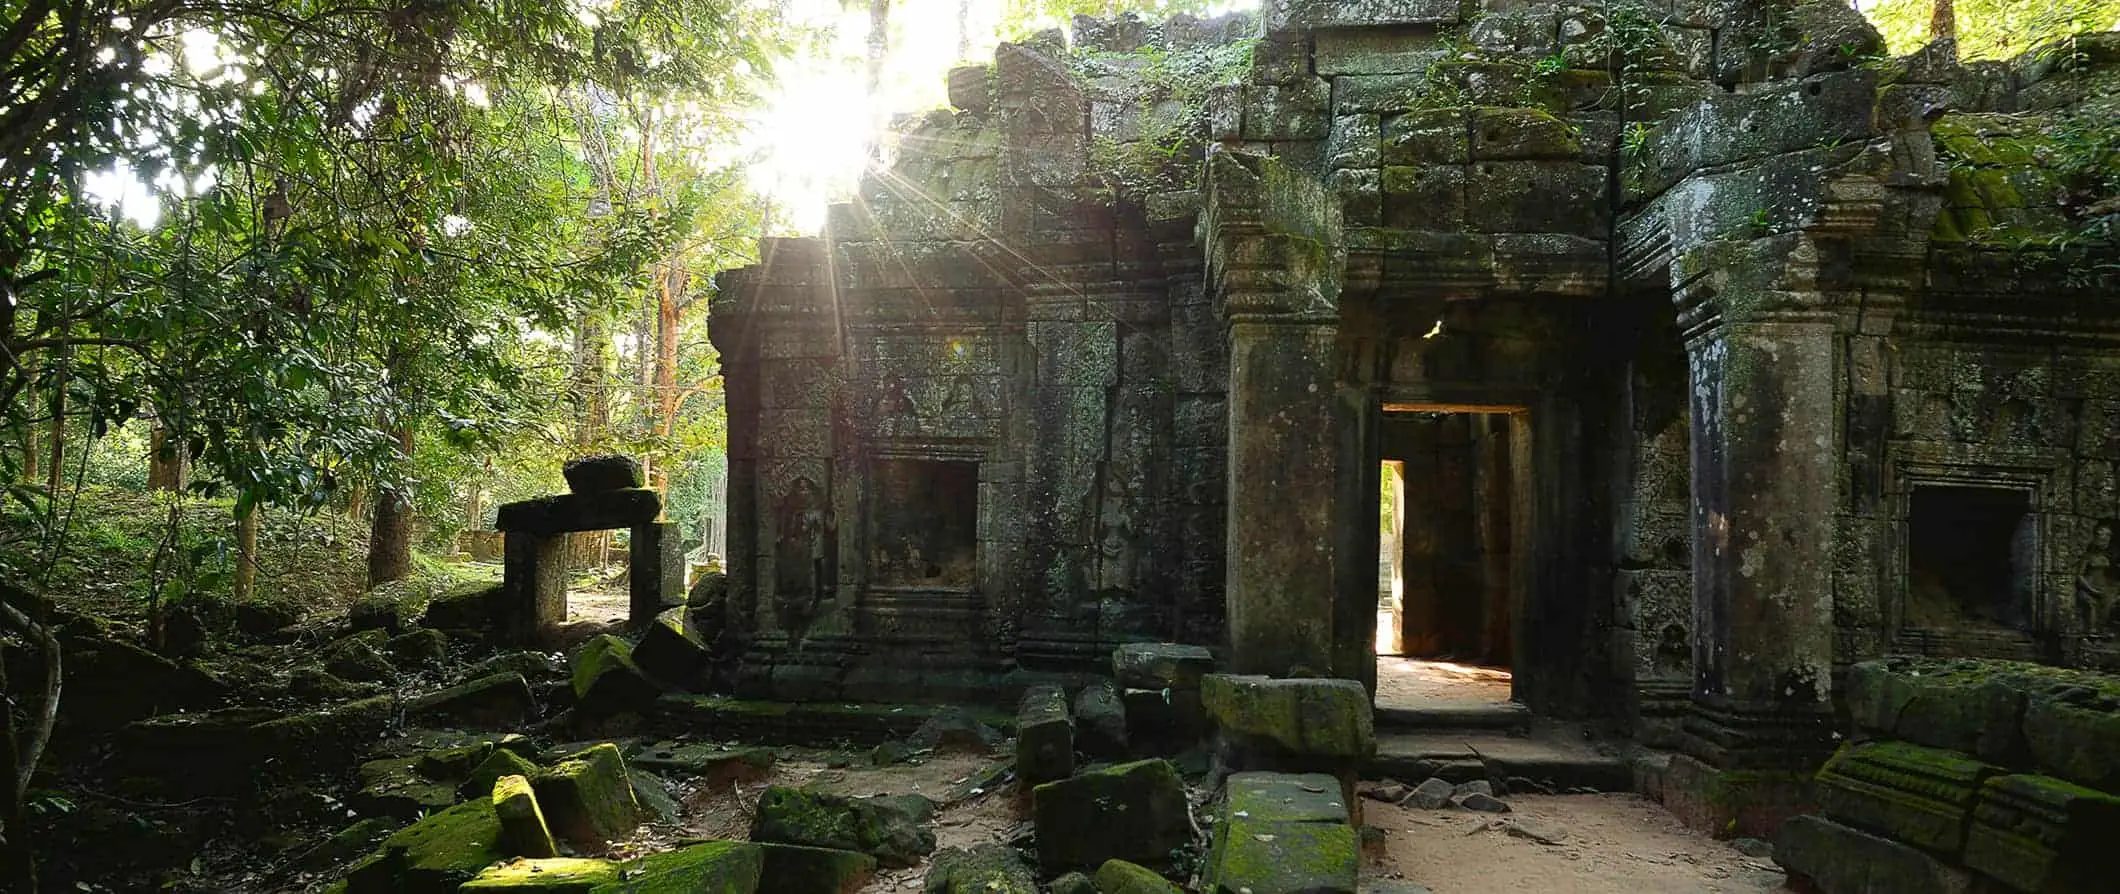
(1451, 532)
(925, 516)
(1970, 558)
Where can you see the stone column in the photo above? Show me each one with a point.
(1282, 494)
(655, 573)
(1762, 348)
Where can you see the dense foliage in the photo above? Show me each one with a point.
(1993, 29)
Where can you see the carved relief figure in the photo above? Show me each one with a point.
(2097, 587)
(804, 535)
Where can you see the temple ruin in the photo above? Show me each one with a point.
(1713, 352)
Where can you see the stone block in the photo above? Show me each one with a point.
(671, 651)
(1968, 706)
(1379, 94)
(1100, 721)
(1428, 137)
(435, 855)
(1522, 134)
(1136, 812)
(707, 867)
(395, 787)
(555, 875)
(1323, 718)
(2040, 834)
(1374, 52)
(598, 474)
(985, 869)
(1287, 111)
(888, 829)
(1161, 665)
(1425, 198)
(479, 780)
(606, 680)
(588, 797)
(1307, 15)
(498, 701)
(797, 869)
(1282, 834)
(599, 511)
(1537, 197)
(971, 88)
(1121, 877)
(2073, 731)
(523, 829)
(1361, 198)
(1045, 736)
(655, 576)
(1354, 142)
(1921, 796)
(1841, 860)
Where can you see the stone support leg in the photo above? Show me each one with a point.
(534, 595)
(656, 572)
(1282, 496)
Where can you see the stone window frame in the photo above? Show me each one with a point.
(2042, 475)
(978, 454)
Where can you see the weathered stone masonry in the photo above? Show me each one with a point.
(1114, 349)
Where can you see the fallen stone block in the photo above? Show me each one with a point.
(588, 797)
(468, 610)
(606, 679)
(1121, 877)
(1842, 860)
(359, 658)
(387, 608)
(706, 867)
(719, 766)
(436, 855)
(554, 875)
(986, 869)
(1100, 721)
(1432, 794)
(670, 652)
(1921, 796)
(1161, 665)
(2073, 731)
(417, 648)
(955, 728)
(395, 787)
(1045, 736)
(502, 762)
(500, 701)
(798, 869)
(1315, 718)
(1959, 704)
(888, 829)
(1136, 812)
(1283, 833)
(327, 737)
(524, 832)
(2041, 834)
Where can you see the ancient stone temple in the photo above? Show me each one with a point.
(1704, 349)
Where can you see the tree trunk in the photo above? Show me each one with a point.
(879, 51)
(390, 532)
(166, 461)
(964, 30)
(592, 359)
(22, 747)
(246, 579)
(1943, 21)
(669, 319)
(55, 470)
(30, 452)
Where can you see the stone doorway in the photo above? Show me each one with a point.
(1452, 528)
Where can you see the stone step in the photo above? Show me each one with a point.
(1437, 715)
(1466, 756)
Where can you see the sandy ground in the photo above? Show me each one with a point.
(1407, 681)
(1609, 844)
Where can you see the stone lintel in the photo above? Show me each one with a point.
(563, 513)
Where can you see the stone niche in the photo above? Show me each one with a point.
(1972, 558)
(924, 523)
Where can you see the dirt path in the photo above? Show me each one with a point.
(1408, 681)
(1609, 844)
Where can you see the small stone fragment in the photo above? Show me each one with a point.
(1476, 786)
(986, 869)
(1161, 665)
(1045, 736)
(1121, 877)
(1432, 794)
(797, 869)
(1389, 791)
(1480, 802)
(954, 728)
(597, 474)
(888, 829)
(1539, 832)
(1753, 847)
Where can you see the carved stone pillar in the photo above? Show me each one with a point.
(1762, 344)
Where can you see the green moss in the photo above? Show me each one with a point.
(588, 798)
(797, 869)
(554, 875)
(1282, 857)
(434, 855)
(396, 787)
(708, 867)
(502, 762)
(1121, 877)
(523, 829)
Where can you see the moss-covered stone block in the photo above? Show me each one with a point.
(1430, 197)
(1537, 197)
(671, 651)
(524, 832)
(1136, 812)
(325, 737)
(2037, 833)
(1294, 111)
(1269, 857)
(435, 855)
(395, 787)
(1522, 134)
(2073, 731)
(986, 869)
(499, 701)
(417, 648)
(552, 875)
(1967, 706)
(706, 867)
(1922, 796)
(453, 761)
(588, 797)
(887, 829)
(798, 869)
(1045, 736)
(359, 658)
(1326, 718)
(606, 679)
(1121, 877)
(1428, 137)
(502, 762)
(1835, 857)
